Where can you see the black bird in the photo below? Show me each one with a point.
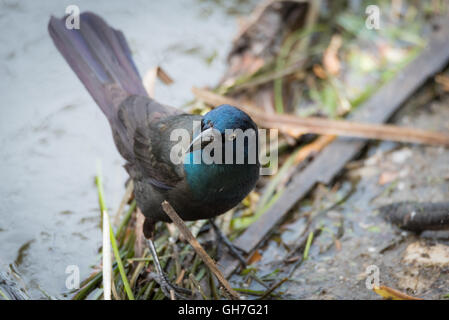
(143, 129)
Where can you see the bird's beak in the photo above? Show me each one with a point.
(205, 137)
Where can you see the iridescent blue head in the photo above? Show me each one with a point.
(227, 131)
(228, 117)
(229, 137)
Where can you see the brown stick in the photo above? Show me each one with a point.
(198, 248)
(296, 125)
(274, 287)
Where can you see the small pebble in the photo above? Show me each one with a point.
(400, 156)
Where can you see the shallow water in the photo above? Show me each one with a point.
(52, 133)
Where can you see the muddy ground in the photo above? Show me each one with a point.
(355, 236)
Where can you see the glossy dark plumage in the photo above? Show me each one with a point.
(141, 127)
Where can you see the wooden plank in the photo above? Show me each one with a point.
(330, 162)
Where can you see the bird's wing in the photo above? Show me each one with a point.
(142, 119)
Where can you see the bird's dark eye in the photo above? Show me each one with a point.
(206, 124)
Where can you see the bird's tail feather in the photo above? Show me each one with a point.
(101, 58)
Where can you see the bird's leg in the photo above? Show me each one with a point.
(164, 283)
(222, 238)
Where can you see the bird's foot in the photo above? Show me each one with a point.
(170, 290)
(235, 251)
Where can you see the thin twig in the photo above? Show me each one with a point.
(196, 286)
(274, 287)
(296, 125)
(197, 247)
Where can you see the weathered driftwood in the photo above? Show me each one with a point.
(417, 216)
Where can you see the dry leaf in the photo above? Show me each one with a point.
(392, 294)
(149, 80)
(330, 58)
(319, 71)
(443, 80)
(256, 256)
(387, 177)
(139, 245)
(337, 245)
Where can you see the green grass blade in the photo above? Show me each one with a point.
(118, 259)
(308, 244)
